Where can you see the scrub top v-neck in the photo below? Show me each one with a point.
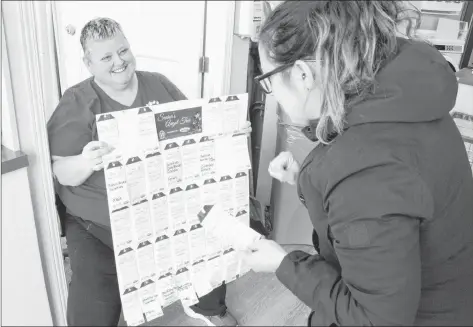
(73, 125)
(109, 105)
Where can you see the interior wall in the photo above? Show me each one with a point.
(24, 296)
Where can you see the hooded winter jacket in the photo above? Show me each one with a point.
(391, 202)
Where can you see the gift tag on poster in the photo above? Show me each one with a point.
(193, 203)
(180, 247)
(147, 134)
(141, 217)
(163, 255)
(226, 194)
(242, 191)
(177, 208)
(231, 264)
(135, 177)
(149, 300)
(160, 213)
(224, 156)
(231, 114)
(200, 278)
(116, 182)
(107, 129)
(209, 192)
(184, 287)
(146, 262)
(122, 227)
(127, 269)
(173, 161)
(215, 271)
(243, 217)
(167, 293)
(213, 116)
(240, 152)
(197, 241)
(131, 306)
(154, 164)
(191, 160)
(207, 157)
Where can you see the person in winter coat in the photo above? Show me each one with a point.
(388, 186)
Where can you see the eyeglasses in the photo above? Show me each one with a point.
(264, 80)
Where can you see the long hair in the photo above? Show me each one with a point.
(351, 39)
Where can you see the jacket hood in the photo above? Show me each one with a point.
(416, 85)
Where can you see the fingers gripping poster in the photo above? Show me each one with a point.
(170, 161)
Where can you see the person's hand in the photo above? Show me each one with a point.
(284, 168)
(264, 256)
(93, 152)
(247, 128)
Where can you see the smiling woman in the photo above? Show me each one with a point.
(42, 51)
(108, 57)
(77, 163)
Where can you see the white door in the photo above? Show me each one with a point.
(165, 37)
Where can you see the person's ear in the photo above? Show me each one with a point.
(302, 76)
(266, 9)
(87, 62)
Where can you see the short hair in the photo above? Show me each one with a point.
(99, 29)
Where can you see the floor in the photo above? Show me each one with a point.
(254, 300)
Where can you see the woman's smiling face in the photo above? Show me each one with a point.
(111, 61)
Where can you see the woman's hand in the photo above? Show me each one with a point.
(93, 153)
(284, 168)
(75, 170)
(264, 256)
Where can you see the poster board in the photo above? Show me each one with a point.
(171, 160)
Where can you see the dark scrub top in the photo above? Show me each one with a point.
(73, 125)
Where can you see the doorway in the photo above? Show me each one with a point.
(31, 39)
(165, 36)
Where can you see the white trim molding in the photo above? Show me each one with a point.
(9, 130)
(218, 47)
(29, 41)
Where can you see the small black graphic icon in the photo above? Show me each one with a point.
(144, 110)
(114, 164)
(232, 98)
(217, 99)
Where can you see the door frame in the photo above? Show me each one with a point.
(30, 47)
(217, 46)
(30, 30)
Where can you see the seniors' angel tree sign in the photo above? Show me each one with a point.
(171, 163)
